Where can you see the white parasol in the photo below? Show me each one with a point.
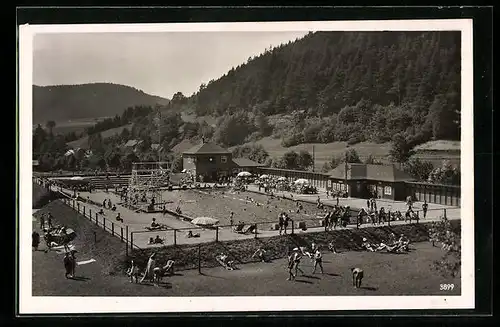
(282, 178)
(301, 181)
(244, 174)
(205, 221)
(77, 178)
(264, 176)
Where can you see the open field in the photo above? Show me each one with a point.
(323, 152)
(439, 145)
(74, 125)
(83, 142)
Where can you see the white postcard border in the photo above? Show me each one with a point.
(29, 304)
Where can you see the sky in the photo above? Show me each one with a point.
(156, 63)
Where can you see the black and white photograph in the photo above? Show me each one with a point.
(246, 166)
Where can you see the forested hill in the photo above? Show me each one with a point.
(63, 102)
(361, 79)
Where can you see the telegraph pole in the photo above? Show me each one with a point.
(314, 159)
(345, 168)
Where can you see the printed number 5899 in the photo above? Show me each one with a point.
(446, 287)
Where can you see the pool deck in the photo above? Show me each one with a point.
(137, 221)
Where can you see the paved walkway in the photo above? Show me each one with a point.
(434, 210)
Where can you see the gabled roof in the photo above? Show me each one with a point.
(245, 162)
(386, 173)
(131, 143)
(207, 148)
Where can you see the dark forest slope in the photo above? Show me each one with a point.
(363, 77)
(63, 102)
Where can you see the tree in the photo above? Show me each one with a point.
(418, 169)
(370, 160)
(255, 152)
(50, 125)
(351, 155)
(304, 160)
(446, 174)
(95, 143)
(401, 150)
(443, 232)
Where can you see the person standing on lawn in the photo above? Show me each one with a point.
(231, 219)
(42, 222)
(35, 240)
(318, 260)
(149, 268)
(49, 220)
(67, 265)
(73, 262)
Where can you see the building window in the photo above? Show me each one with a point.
(223, 159)
(388, 190)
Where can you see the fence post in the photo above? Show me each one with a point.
(175, 236)
(444, 211)
(95, 237)
(121, 234)
(216, 233)
(90, 214)
(256, 230)
(78, 204)
(104, 222)
(126, 240)
(84, 211)
(96, 219)
(112, 228)
(199, 259)
(131, 241)
(293, 226)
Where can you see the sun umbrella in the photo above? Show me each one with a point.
(282, 178)
(76, 178)
(205, 221)
(301, 181)
(264, 176)
(183, 171)
(244, 174)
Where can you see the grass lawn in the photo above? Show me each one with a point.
(385, 274)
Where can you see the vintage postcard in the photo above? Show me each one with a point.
(223, 167)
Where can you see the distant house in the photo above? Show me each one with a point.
(78, 152)
(156, 147)
(364, 181)
(132, 144)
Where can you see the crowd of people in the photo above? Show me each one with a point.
(153, 272)
(391, 245)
